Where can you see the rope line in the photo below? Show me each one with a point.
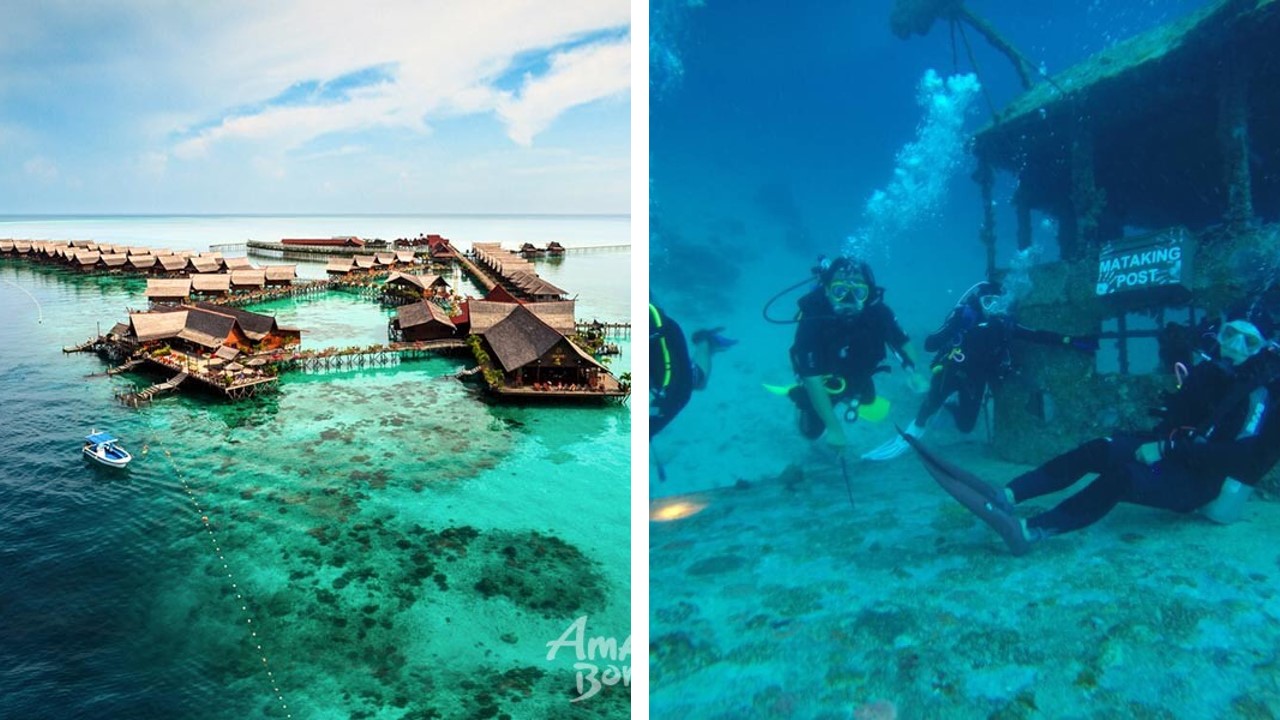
(244, 607)
(39, 310)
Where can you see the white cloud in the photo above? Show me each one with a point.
(444, 56)
(576, 78)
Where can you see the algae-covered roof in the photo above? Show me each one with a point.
(1151, 108)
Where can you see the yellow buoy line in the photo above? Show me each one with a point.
(244, 606)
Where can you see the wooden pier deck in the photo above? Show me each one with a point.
(134, 399)
(358, 358)
(481, 277)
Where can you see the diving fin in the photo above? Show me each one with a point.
(980, 498)
(895, 447)
(778, 389)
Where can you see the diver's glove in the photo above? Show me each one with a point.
(1083, 343)
(713, 338)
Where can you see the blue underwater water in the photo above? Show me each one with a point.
(377, 543)
(802, 586)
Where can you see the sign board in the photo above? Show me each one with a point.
(1157, 264)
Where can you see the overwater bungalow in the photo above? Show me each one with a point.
(113, 263)
(211, 284)
(168, 291)
(533, 287)
(186, 329)
(440, 249)
(262, 330)
(281, 275)
(85, 261)
(203, 264)
(534, 358)
(337, 267)
(423, 320)
(484, 314)
(418, 285)
(141, 263)
(237, 263)
(246, 280)
(172, 265)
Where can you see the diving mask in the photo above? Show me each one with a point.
(845, 292)
(1239, 340)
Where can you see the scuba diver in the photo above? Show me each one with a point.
(673, 372)
(972, 352)
(843, 329)
(1218, 435)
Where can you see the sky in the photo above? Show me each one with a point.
(323, 106)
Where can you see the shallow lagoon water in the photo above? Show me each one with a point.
(352, 521)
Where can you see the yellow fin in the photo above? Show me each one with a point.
(875, 411)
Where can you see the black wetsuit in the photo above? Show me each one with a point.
(848, 348)
(673, 376)
(1221, 424)
(972, 351)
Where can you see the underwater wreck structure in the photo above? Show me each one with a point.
(1158, 160)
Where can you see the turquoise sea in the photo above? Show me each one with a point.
(373, 544)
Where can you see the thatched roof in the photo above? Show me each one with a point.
(115, 260)
(255, 325)
(157, 325)
(281, 272)
(385, 258)
(248, 278)
(422, 313)
(211, 282)
(365, 261)
(520, 338)
(557, 314)
(422, 282)
(168, 289)
(6, 245)
(204, 264)
(339, 265)
(238, 263)
(207, 328)
(533, 285)
(227, 352)
(142, 262)
(172, 263)
(87, 257)
(404, 256)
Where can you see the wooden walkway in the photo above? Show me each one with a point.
(610, 329)
(480, 276)
(303, 289)
(367, 357)
(134, 399)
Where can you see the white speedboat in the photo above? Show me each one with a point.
(101, 447)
